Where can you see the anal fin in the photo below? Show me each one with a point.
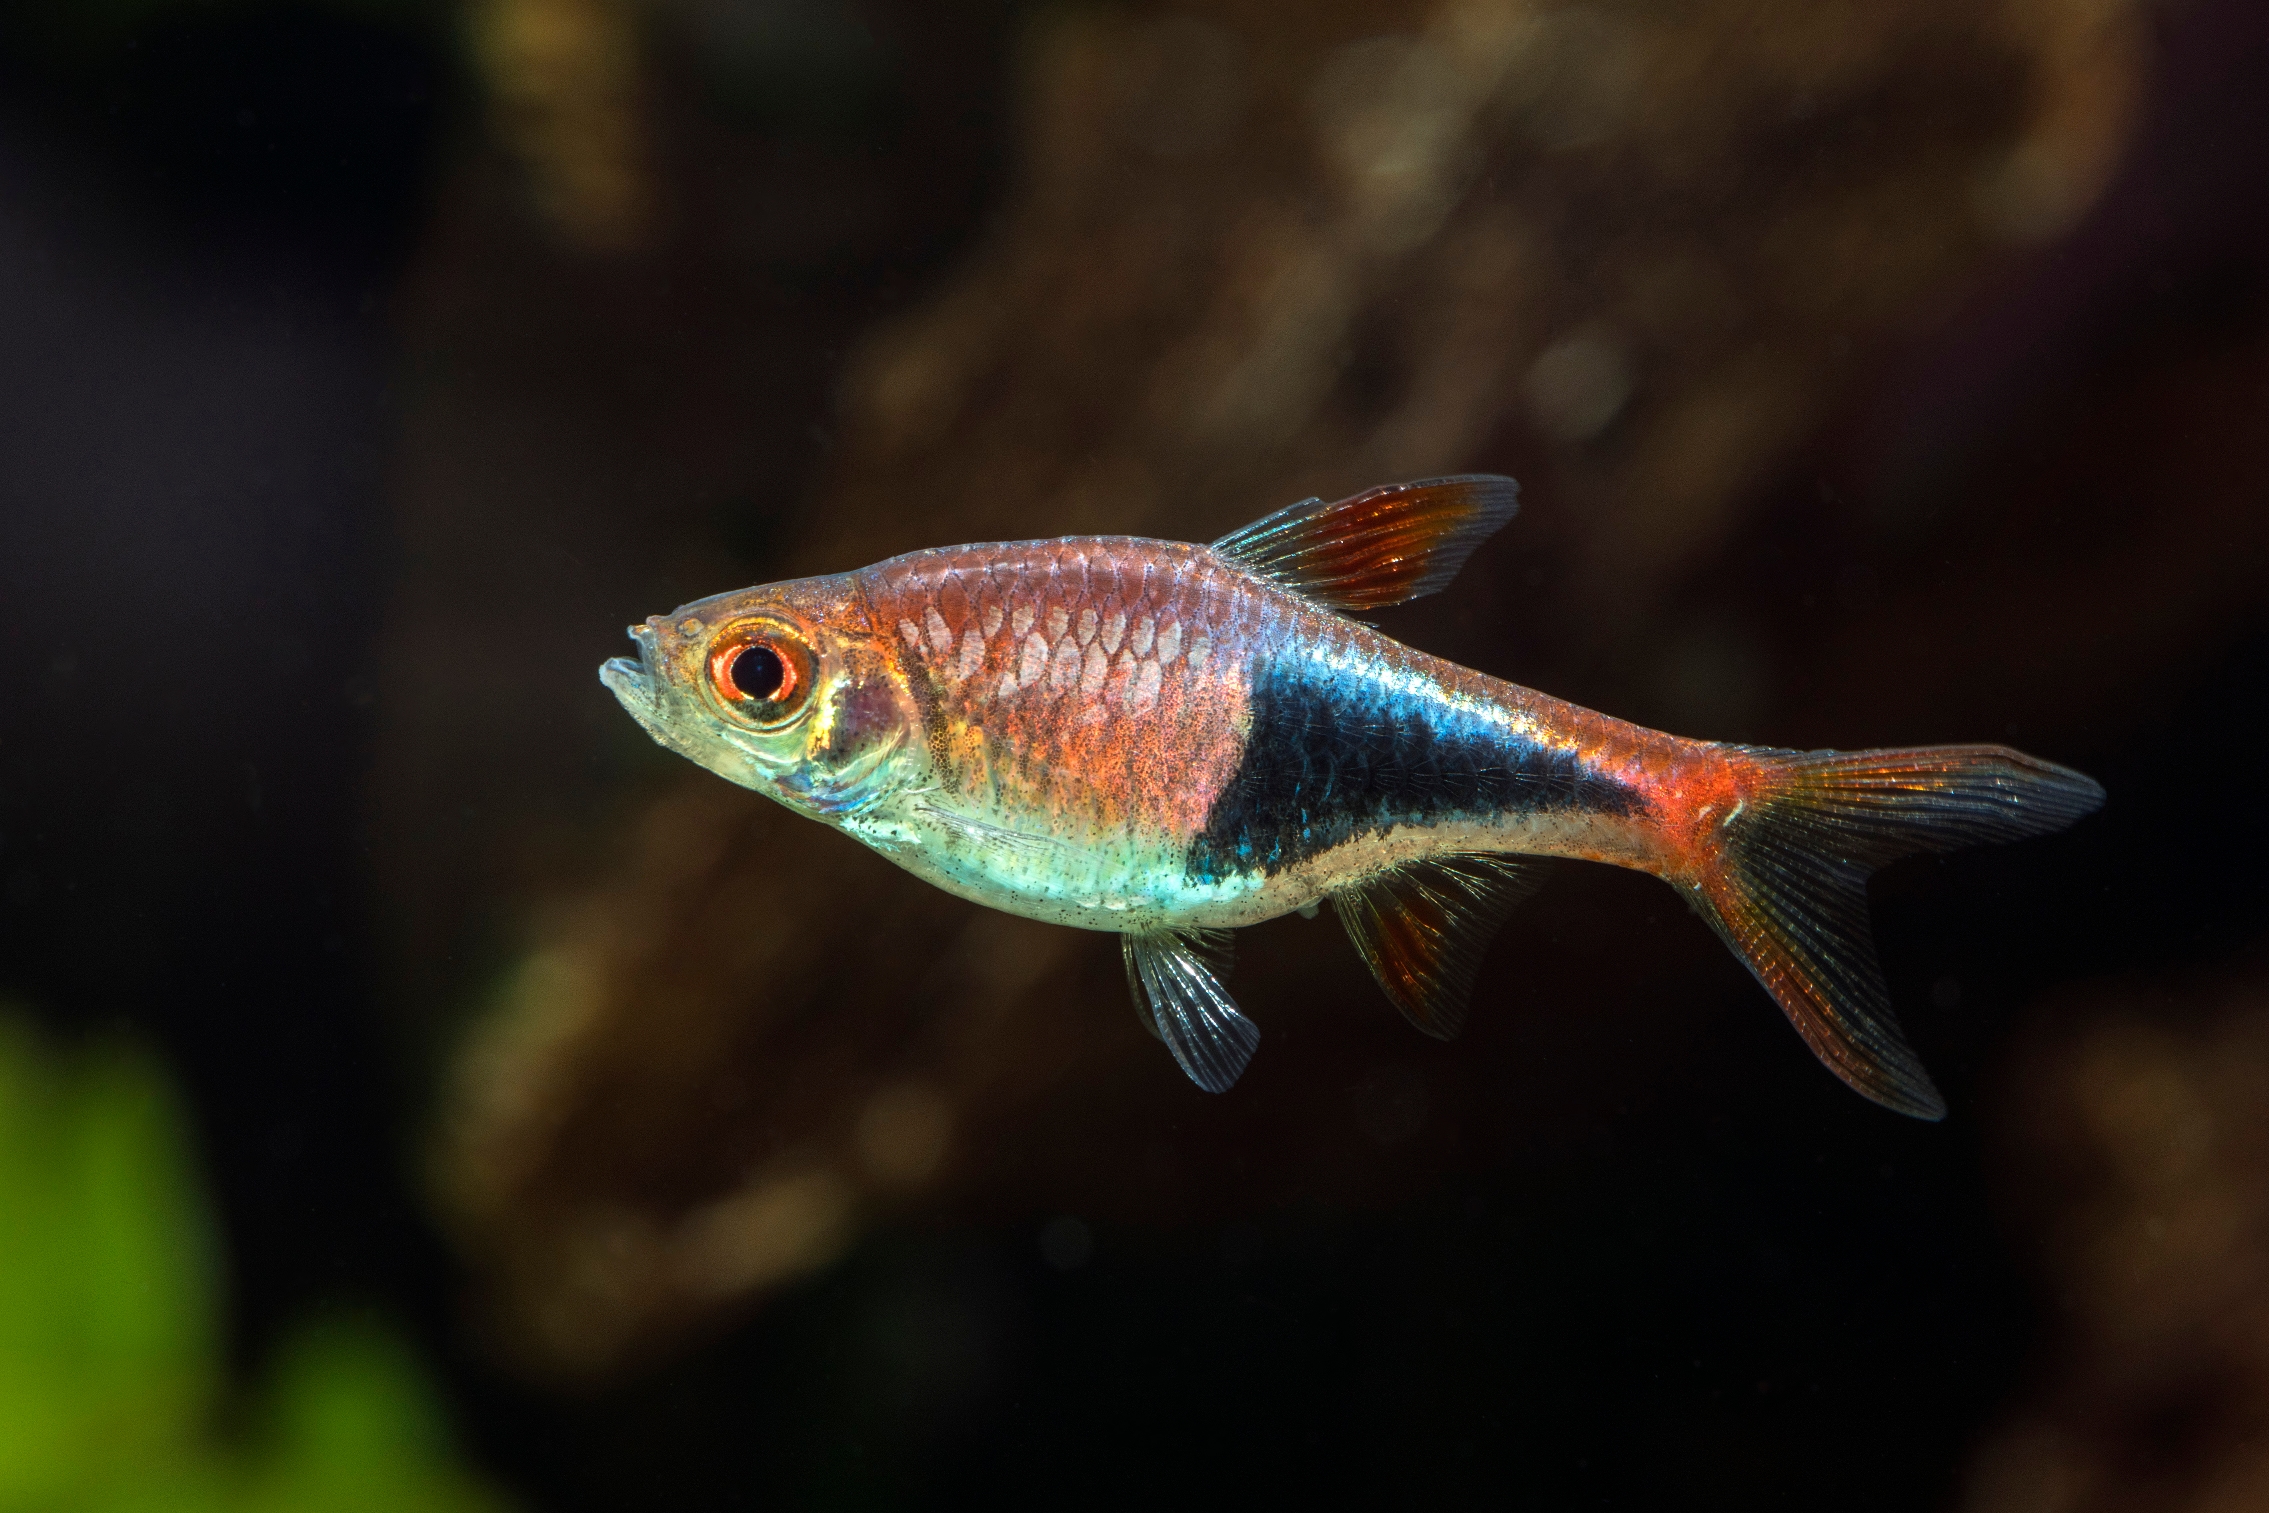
(1423, 927)
(1189, 1009)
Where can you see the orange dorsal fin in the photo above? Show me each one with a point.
(1422, 928)
(1379, 547)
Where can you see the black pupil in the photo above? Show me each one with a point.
(758, 673)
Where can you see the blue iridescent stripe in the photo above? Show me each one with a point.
(1338, 752)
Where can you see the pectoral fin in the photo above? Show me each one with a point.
(989, 836)
(1422, 927)
(1191, 1011)
(1379, 547)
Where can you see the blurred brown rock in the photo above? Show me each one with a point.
(2137, 1162)
(564, 84)
(1637, 255)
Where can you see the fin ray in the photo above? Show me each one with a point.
(1190, 1011)
(1379, 547)
(1788, 888)
(1423, 927)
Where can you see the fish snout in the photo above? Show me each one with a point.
(633, 682)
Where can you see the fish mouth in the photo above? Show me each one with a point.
(633, 683)
(627, 679)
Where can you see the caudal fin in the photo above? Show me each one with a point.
(1787, 883)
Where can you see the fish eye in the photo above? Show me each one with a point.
(760, 671)
(757, 671)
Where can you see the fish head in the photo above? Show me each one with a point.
(784, 688)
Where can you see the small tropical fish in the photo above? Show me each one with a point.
(1169, 741)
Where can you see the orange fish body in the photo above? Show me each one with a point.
(1163, 740)
(1153, 708)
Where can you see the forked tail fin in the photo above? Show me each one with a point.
(1787, 884)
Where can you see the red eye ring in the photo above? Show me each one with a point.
(764, 674)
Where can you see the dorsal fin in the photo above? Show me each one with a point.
(1423, 926)
(1381, 546)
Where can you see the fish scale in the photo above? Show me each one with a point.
(1079, 680)
(1166, 740)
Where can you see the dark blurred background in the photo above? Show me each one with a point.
(1877, 373)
